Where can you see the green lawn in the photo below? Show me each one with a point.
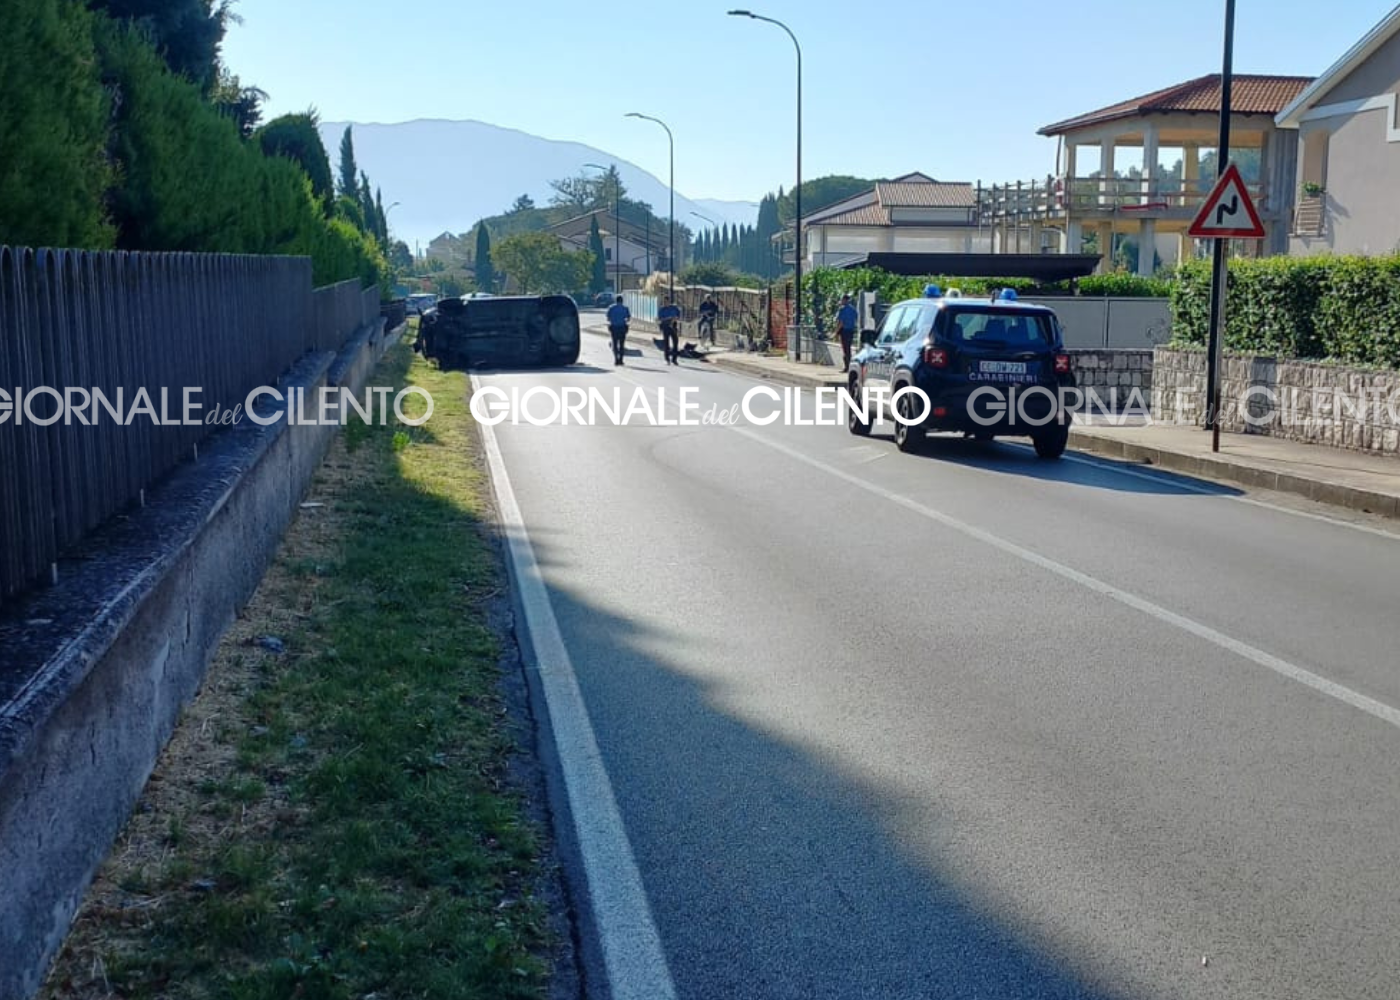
(337, 819)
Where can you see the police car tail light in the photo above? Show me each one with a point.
(935, 357)
(1062, 364)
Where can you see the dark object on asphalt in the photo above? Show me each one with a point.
(986, 368)
(501, 331)
(690, 350)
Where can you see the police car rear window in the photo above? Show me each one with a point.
(998, 327)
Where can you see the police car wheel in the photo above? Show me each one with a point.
(855, 420)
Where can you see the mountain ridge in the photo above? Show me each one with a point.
(418, 164)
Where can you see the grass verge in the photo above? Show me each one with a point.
(335, 816)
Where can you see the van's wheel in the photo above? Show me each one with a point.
(907, 438)
(1050, 441)
(855, 421)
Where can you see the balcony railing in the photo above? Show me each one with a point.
(1311, 216)
(1084, 195)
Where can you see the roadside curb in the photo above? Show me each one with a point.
(1234, 471)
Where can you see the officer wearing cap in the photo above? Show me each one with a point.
(846, 320)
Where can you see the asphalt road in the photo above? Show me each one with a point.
(966, 724)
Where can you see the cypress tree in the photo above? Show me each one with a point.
(349, 171)
(485, 270)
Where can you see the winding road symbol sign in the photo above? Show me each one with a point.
(1228, 212)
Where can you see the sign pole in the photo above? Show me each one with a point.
(1219, 271)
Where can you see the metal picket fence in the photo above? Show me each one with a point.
(77, 323)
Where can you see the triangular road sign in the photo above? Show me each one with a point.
(1228, 213)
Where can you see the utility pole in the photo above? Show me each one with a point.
(1219, 268)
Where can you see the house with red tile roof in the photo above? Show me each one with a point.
(1133, 169)
(910, 214)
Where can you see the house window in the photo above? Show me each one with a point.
(607, 253)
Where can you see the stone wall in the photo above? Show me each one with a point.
(1297, 400)
(111, 653)
(1126, 373)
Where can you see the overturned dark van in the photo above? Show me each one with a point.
(501, 332)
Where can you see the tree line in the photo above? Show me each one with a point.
(516, 243)
(121, 128)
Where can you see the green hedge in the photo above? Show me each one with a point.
(102, 146)
(190, 182)
(1345, 309)
(53, 172)
(1133, 286)
(1358, 314)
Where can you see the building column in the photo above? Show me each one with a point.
(1074, 237)
(1151, 153)
(1191, 166)
(1105, 247)
(1271, 202)
(1184, 246)
(1147, 247)
(1105, 171)
(1067, 193)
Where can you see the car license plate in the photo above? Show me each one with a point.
(1002, 367)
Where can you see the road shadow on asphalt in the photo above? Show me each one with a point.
(770, 871)
(1016, 457)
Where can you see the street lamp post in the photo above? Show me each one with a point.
(617, 232)
(797, 196)
(387, 212)
(672, 141)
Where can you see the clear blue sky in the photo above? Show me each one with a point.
(954, 90)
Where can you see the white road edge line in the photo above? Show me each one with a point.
(1332, 689)
(631, 945)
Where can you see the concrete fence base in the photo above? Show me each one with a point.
(95, 671)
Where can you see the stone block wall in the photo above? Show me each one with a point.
(1307, 401)
(1106, 371)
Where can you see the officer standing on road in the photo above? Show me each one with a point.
(846, 320)
(709, 311)
(670, 319)
(618, 317)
